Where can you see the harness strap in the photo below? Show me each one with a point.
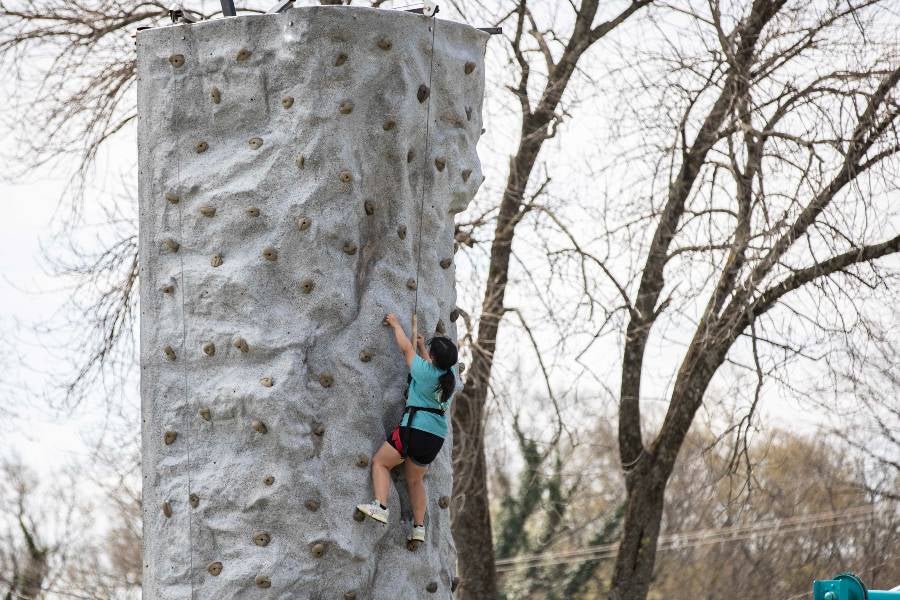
(407, 436)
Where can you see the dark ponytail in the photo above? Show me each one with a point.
(444, 356)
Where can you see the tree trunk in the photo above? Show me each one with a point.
(285, 173)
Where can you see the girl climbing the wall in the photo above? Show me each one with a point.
(421, 431)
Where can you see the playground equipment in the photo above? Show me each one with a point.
(847, 586)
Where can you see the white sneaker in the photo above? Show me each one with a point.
(374, 510)
(418, 534)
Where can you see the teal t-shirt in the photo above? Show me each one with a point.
(425, 392)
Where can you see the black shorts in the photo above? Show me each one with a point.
(424, 446)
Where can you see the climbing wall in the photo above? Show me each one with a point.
(283, 162)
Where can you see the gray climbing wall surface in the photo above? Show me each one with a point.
(283, 159)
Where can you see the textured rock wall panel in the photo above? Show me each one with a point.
(283, 160)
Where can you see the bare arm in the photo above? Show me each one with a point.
(423, 349)
(406, 346)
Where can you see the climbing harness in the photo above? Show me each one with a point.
(407, 435)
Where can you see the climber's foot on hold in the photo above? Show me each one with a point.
(416, 537)
(374, 510)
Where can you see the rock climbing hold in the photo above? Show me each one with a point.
(216, 260)
(440, 163)
(209, 349)
(410, 156)
(303, 223)
(389, 124)
(170, 352)
(470, 66)
(301, 161)
(201, 147)
(167, 288)
(171, 245)
(263, 581)
(468, 113)
(259, 426)
(169, 437)
(350, 248)
(454, 583)
(268, 480)
(172, 198)
(444, 501)
(215, 95)
(252, 211)
(267, 382)
(167, 509)
(401, 232)
(208, 211)
(345, 176)
(214, 568)
(270, 253)
(241, 344)
(440, 329)
(369, 207)
(362, 461)
(319, 430)
(359, 516)
(350, 596)
(341, 59)
(431, 587)
(466, 174)
(411, 283)
(307, 285)
(345, 107)
(243, 54)
(446, 262)
(318, 549)
(287, 101)
(205, 414)
(312, 505)
(384, 43)
(326, 380)
(454, 314)
(177, 60)
(194, 500)
(423, 93)
(365, 356)
(255, 143)
(412, 545)
(262, 538)
(461, 366)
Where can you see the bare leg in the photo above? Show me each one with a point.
(384, 460)
(415, 485)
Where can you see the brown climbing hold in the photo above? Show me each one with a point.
(214, 568)
(349, 248)
(410, 156)
(454, 583)
(466, 174)
(423, 93)
(318, 549)
(345, 107)
(170, 352)
(194, 499)
(446, 262)
(177, 60)
(287, 101)
(307, 285)
(359, 516)
(208, 211)
(350, 596)
(401, 232)
(205, 414)
(365, 356)
(301, 161)
(169, 438)
(470, 66)
(259, 426)
(252, 211)
(262, 538)
(411, 283)
(255, 143)
(303, 223)
(241, 344)
(263, 582)
(215, 95)
(440, 329)
(216, 260)
(431, 587)
(171, 245)
(389, 124)
(209, 349)
(243, 54)
(345, 176)
(312, 505)
(454, 314)
(369, 207)
(172, 198)
(201, 147)
(444, 501)
(266, 382)
(326, 380)
(268, 480)
(362, 461)
(341, 59)
(167, 289)
(440, 163)
(270, 253)
(384, 43)
(167, 509)
(319, 430)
